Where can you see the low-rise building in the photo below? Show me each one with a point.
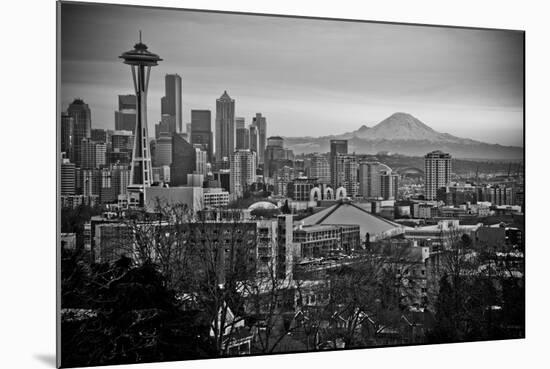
(157, 196)
(74, 201)
(443, 234)
(321, 240)
(215, 198)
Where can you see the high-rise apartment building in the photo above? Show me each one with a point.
(107, 193)
(281, 179)
(171, 102)
(91, 182)
(225, 126)
(201, 158)
(93, 154)
(68, 178)
(389, 185)
(437, 172)
(120, 179)
(201, 131)
(125, 116)
(243, 172)
(87, 154)
(320, 168)
(100, 154)
(376, 181)
(82, 119)
(345, 173)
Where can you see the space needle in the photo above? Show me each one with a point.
(141, 173)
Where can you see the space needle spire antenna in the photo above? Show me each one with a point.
(141, 173)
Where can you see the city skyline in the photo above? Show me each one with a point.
(331, 96)
(232, 238)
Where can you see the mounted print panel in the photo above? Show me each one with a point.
(235, 184)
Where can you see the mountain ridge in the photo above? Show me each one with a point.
(405, 134)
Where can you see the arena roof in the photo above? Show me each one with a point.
(346, 212)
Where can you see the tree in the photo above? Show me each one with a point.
(74, 279)
(134, 319)
(73, 219)
(356, 295)
(285, 209)
(210, 261)
(270, 307)
(472, 293)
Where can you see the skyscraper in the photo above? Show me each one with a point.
(201, 130)
(437, 172)
(184, 160)
(345, 167)
(242, 135)
(82, 119)
(389, 185)
(125, 116)
(167, 125)
(120, 178)
(239, 122)
(107, 193)
(141, 60)
(253, 138)
(320, 168)
(171, 103)
(68, 178)
(243, 172)
(371, 177)
(100, 154)
(200, 160)
(67, 136)
(163, 151)
(122, 143)
(274, 155)
(282, 178)
(261, 125)
(336, 147)
(87, 154)
(99, 135)
(225, 126)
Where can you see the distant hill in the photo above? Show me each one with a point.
(404, 134)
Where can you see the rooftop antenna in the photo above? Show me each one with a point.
(140, 36)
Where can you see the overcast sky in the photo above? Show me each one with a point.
(307, 76)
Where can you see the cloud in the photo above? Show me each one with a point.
(305, 75)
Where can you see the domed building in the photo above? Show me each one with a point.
(264, 205)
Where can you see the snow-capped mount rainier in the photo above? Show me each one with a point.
(404, 134)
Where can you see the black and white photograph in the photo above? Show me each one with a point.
(239, 184)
